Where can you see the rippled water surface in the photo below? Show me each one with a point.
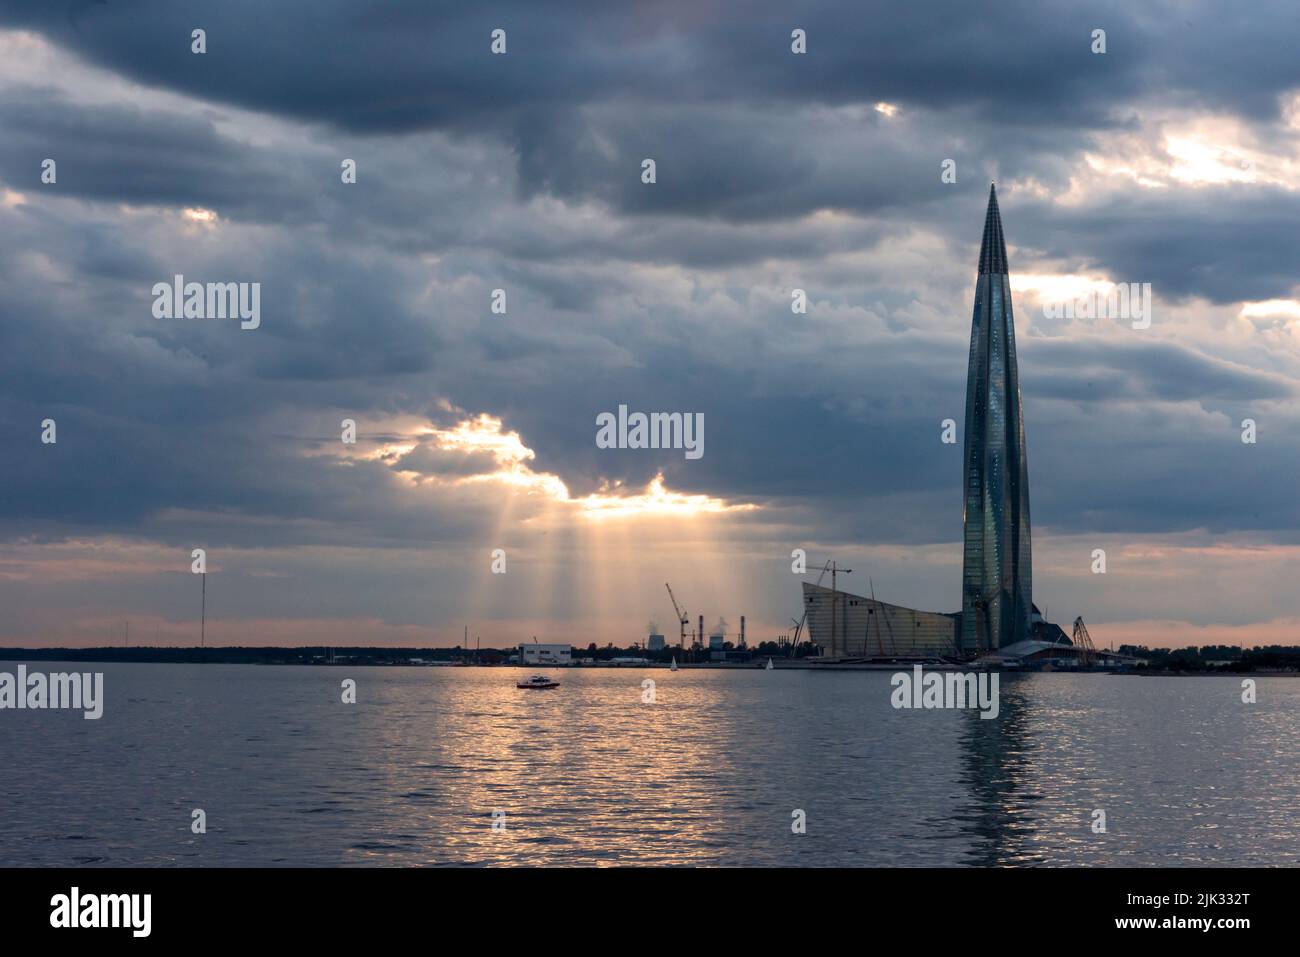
(589, 774)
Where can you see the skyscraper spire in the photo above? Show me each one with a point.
(993, 250)
(997, 569)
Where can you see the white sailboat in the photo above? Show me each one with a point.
(673, 667)
(769, 664)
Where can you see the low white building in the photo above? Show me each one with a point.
(535, 654)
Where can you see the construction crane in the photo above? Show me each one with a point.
(798, 625)
(835, 570)
(682, 617)
(1083, 642)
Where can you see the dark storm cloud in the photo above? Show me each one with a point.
(1101, 371)
(418, 65)
(413, 66)
(1018, 67)
(123, 153)
(1224, 243)
(1221, 243)
(745, 164)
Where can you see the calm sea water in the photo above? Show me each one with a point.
(588, 774)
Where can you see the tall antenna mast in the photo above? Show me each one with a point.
(203, 620)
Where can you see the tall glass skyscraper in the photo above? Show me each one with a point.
(996, 567)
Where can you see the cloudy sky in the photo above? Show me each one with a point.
(1173, 158)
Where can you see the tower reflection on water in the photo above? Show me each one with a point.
(996, 773)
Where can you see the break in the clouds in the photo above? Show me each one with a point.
(1171, 159)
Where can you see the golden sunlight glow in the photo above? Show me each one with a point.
(655, 500)
(483, 434)
(509, 460)
(888, 109)
(197, 214)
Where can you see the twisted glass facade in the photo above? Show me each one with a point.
(996, 567)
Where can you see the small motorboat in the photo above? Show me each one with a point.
(539, 682)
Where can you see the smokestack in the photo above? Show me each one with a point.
(742, 631)
(699, 635)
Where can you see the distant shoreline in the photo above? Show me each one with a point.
(367, 657)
